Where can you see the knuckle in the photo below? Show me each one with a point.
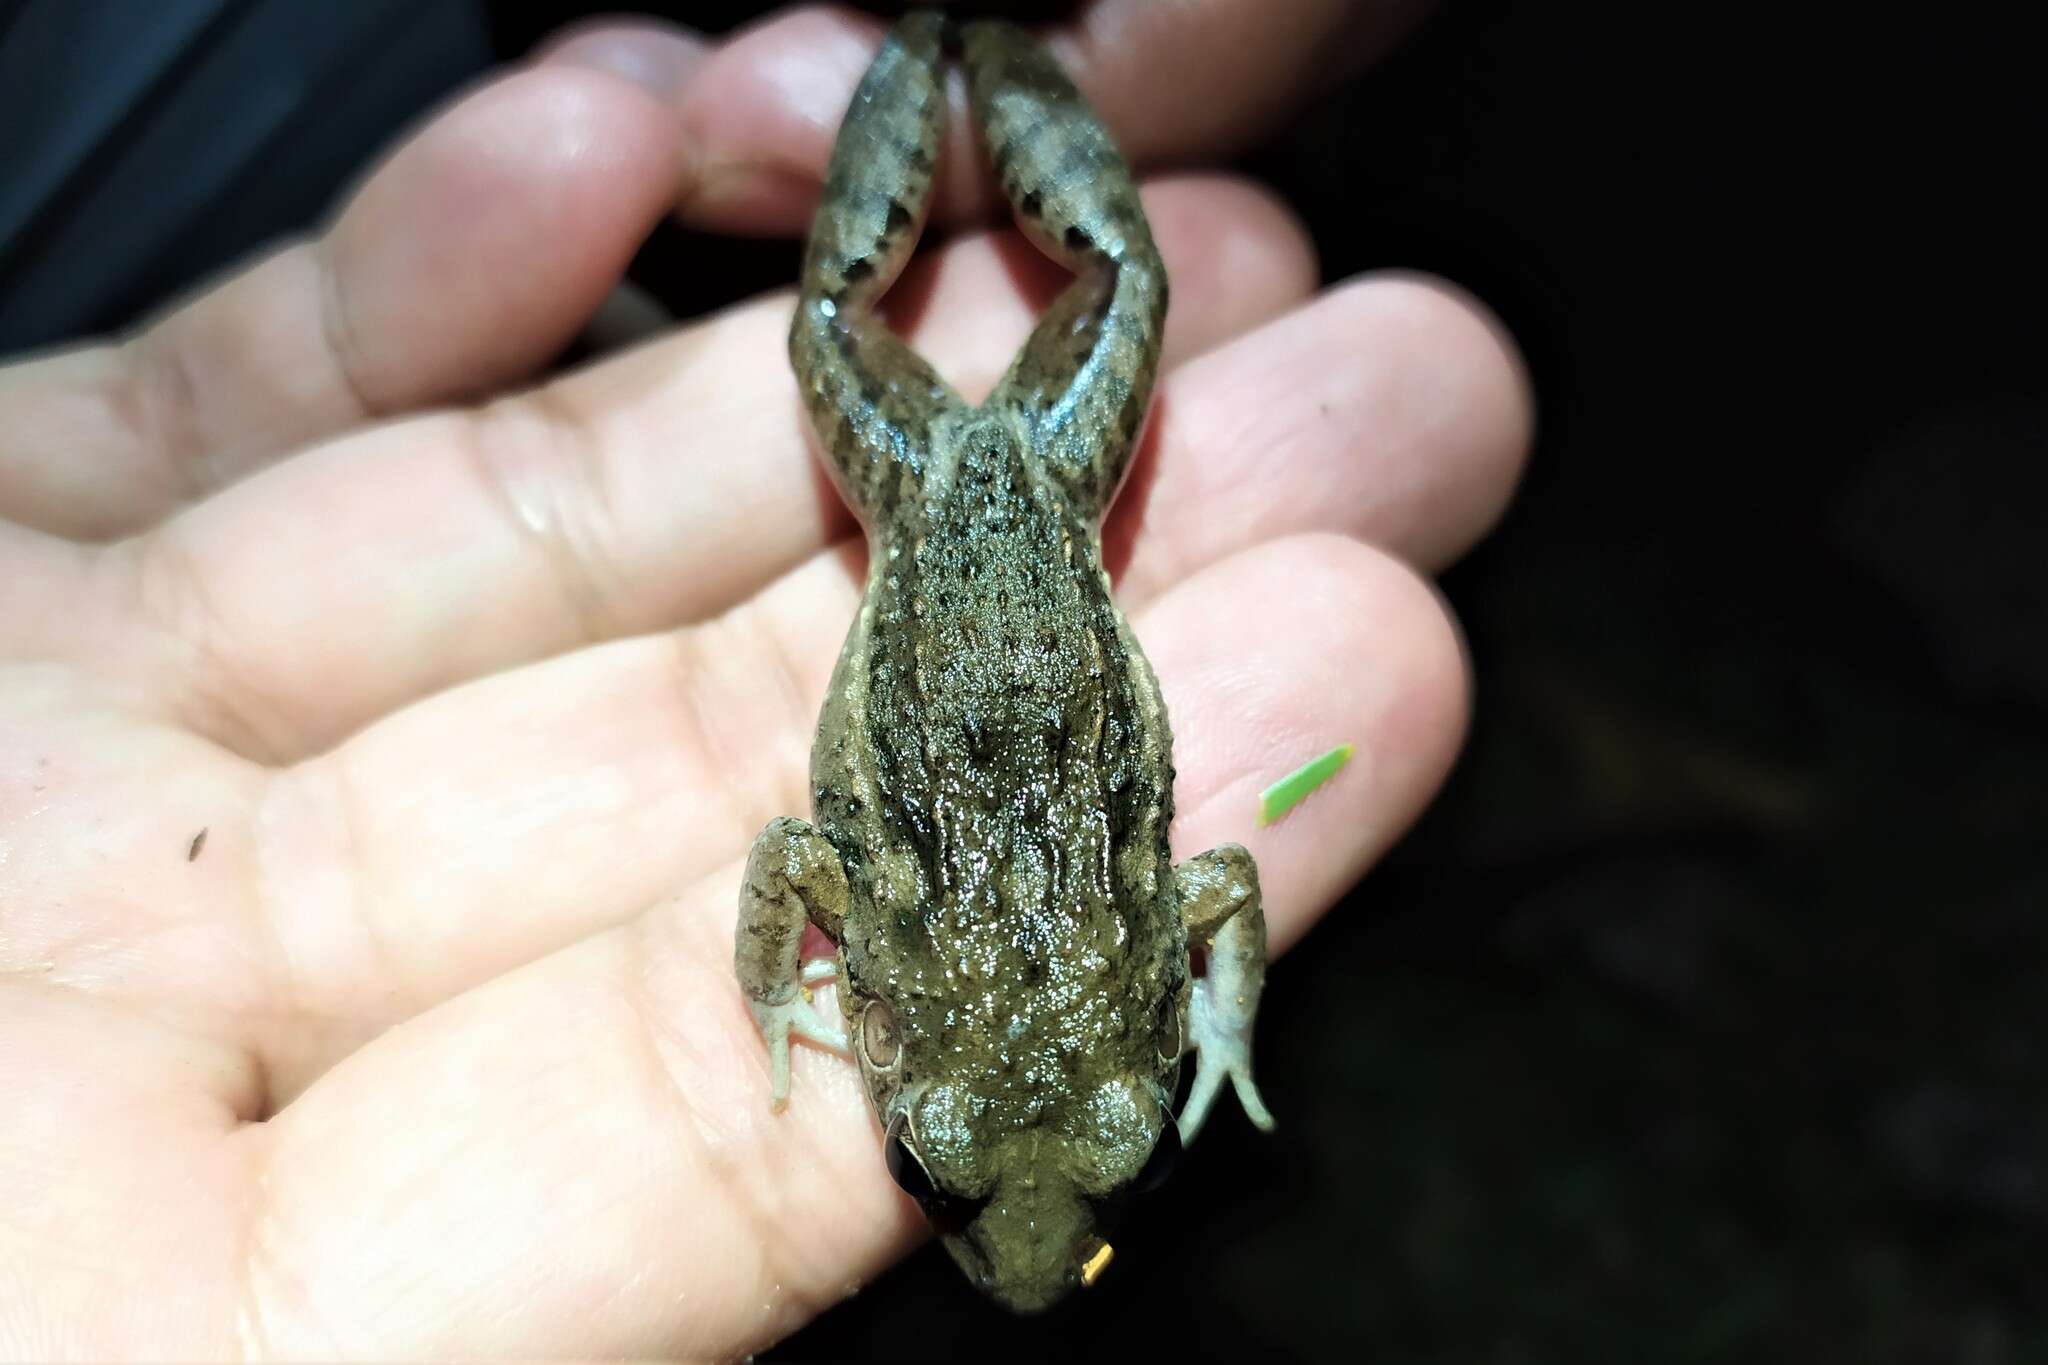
(540, 462)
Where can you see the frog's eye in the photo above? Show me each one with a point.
(880, 1041)
(1165, 1156)
(947, 1213)
(906, 1168)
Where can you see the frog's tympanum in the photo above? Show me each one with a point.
(992, 783)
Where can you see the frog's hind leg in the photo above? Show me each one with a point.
(871, 398)
(794, 877)
(1218, 893)
(1084, 379)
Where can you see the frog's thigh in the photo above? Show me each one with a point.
(866, 391)
(794, 877)
(1218, 892)
(1084, 379)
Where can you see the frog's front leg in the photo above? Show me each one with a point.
(793, 876)
(1218, 893)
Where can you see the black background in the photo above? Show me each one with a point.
(1702, 1018)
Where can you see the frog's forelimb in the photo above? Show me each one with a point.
(794, 877)
(1219, 902)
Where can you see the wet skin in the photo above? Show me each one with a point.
(992, 779)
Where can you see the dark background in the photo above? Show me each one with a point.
(1702, 1018)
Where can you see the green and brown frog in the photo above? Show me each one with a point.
(992, 779)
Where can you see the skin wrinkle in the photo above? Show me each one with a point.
(721, 1171)
(797, 704)
(364, 900)
(337, 329)
(699, 731)
(781, 674)
(746, 631)
(586, 583)
(287, 990)
(718, 1170)
(803, 1288)
(255, 1092)
(253, 1336)
(306, 780)
(168, 409)
(213, 698)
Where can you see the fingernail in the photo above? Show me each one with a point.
(659, 58)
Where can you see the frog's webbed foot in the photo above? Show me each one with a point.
(794, 877)
(1083, 381)
(1219, 900)
(873, 401)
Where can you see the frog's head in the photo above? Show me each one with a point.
(1024, 1096)
(1027, 1211)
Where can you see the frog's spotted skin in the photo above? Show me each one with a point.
(992, 782)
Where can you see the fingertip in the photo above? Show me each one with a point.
(1466, 381)
(512, 213)
(762, 112)
(1393, 407)
(1283, 652)
(1233, 238)
(1258, 216)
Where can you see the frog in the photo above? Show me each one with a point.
(992, 774)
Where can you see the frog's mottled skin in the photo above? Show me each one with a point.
(992, 781)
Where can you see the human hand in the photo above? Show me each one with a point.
(430, 1044)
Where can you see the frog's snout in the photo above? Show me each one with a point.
(1032, 1243)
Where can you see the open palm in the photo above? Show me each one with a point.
(380, 742)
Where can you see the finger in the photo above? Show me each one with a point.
(1394, 408)
(660, 486)
(466, 260)
(460, 1143)
(1171, 82)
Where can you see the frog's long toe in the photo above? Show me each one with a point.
(777, 1022)
(1222, 1039)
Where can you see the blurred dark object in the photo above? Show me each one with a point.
(148, 143)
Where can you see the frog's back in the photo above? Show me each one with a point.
(1001, 698)
(1017, 758)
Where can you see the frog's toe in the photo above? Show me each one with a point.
(777, 1022)
(1223, 1049)
(806, 1024)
